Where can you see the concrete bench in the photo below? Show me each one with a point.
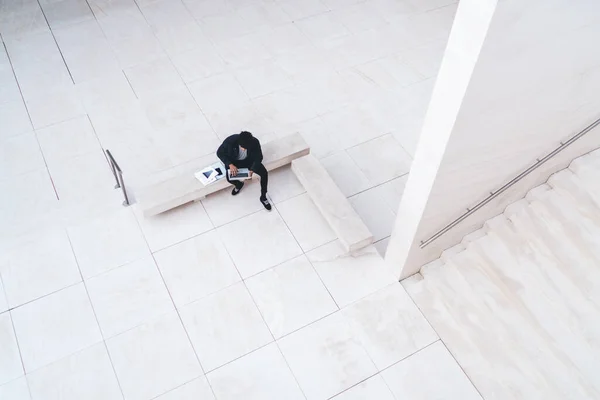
(332, 203)
(185, 188)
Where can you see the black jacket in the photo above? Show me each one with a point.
(228, 152)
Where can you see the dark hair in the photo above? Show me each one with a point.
(245, 139)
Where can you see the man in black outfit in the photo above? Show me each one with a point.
(243, 151)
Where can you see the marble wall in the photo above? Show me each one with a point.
(534, 83)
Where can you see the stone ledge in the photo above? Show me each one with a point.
(333, 205)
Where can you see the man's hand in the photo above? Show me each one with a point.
(233, 169)
(250, 175)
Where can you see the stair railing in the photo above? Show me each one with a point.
(118, 174)
(539, 162)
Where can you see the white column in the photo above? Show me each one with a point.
(517, 78)
(466, 39)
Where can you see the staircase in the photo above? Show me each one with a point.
(518, 302)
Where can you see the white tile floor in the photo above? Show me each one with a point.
(98, 302)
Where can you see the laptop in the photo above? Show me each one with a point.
(242, 175)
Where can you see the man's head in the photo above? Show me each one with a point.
(245, 140)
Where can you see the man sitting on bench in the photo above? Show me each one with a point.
(243, 151)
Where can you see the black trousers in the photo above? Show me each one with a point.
(261, 171)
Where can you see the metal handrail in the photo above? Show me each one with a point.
(522, 175)
(118, 174)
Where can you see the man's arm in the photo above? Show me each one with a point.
(257, 157)
(225, 153)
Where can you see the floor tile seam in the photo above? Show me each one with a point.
(248, 289)
(16, 308)
(401, 55)
(239, 219)
(96, 275)
(321, 278)
(380, 371)
(27, 108)
(355, 66)
(66, 356)
(353, 386)
(14, 330)
(56, 42)
(231, 9)
(369, 294)
(371, 140)
(166, 313)
(410, 62)
(144, 94)
(14, 380)
(290, 370)
(68, 119)
(252, 98)
(252, 276)
(17, 176)
(137, 97)
(194, 236)
(21, 133)
(262, 317)
(238, 358)
(12, 68)
(356, 339)
(350, 67)
(431, 326)
(378, 185)
(345, 25)
(438, 7)
(180, 319)
(180, 386)
(329, 314)
(294, 20)
(168, 56)
(295, 82)
(306, 257)
(461, 368)
(341, 311)
(37, 139)
(257, 306)
(89, 119)
(197, 105)
(147, 321)
(414, 353)
(244, 279)
(363, 297)
(95, 318)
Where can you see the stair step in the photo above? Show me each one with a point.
(586, 162)
(585, 226)
(452, 251)
(587, 169)
(538, 193)
(566, 183)
(500, 314)
(447, 317)
(490, 224)
(535, 309)
(578, 261)
(471, 237)
(542, 288)
(431, 268)
(516, 208)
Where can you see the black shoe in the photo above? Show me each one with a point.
(265, 203)
(236, 189)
